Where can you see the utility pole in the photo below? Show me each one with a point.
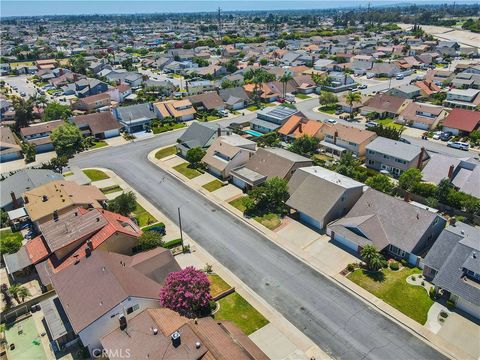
(180, 226)
(219, 19)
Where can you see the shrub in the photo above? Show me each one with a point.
(431, 293)
(403, 262)
(443, 314)
(208, 268)
(423, 283)
(394, 266)
(450, 304)
(351, 266)
(441, 320)
(414, 277)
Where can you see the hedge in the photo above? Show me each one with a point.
(172, 243)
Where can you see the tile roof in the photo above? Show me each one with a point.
(465, 120)
(44, 127)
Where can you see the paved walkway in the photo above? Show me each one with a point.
(327, 266)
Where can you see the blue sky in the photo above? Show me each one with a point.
(72, 7)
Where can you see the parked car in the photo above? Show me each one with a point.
(223, 112)
(332, 121)
(363, 86)
(400, 77)
(458, 145)
(446, 136)
(436, 135)
(370, 124)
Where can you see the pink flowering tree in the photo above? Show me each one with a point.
(187, 292)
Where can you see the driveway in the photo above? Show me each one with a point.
(463, 333)
(332, 317)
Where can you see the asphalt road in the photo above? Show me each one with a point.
(334, 319)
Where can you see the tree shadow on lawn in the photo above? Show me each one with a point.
(377, 276)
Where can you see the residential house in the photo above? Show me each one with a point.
(339, 81)
(179, 110)
(320, 196)
(234, 98)
(339, 138)
(394, 156)
(297, 126)
(271, 118)
(393, 226)
(405, 91)
(227, 153)
(439, 76)
(209, 101)
(93, 103)
(9, 148)
(463, 98)
(100, 125)
(46, 64)
(120, 93)
(203, 338)
(304, 84)
(119, 288)
(460, 121)
(135, 118)
(388, 70)
(266, 91)
(266, 164)
(385, 105)
(200, 135)
(452, 264)
(39, 135)
(427, 87)
(422, 116)
(14, 185)
(464, 173)
(56, 198)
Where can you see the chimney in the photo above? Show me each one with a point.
(14, 200)
(88, 251)
(219, 132)
(123, 322)
(450, 172)
(453, 221)
(89, 244)
(176, 340)
(26, 199)
(335, 137)
(420, 158)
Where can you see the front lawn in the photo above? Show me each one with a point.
(187, 171)
(69, 173)
(143, 217)
(236, 309)
(239, 203)
(391, 287)
(160, 154)
(213, 185)
(95, 175)
(302, 96)
(389, 122)
(111, 189)
(213, 117)
(98, 144)
(167, 127)
(217, 285)
(329, 109)
(10, 242)
(270, 221)
(253, 108)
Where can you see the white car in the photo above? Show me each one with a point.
(332, 121)
(436, 135)
(458, 145)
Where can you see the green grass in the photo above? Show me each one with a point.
(10, 242)
(236, 309)
(143, 217)
(302, 96)
(147, 228)
(328, 109)
(187, 171)
(67, 174)
(167, 127)
(21, 63)
(213, 185)
(322, 157)
(217, 285)
(391, 287)
(212, 117)
(95, 175)
(25, 348)
(98, 144)
(270, 221)
(253, 108)
(389, 122)
(111, 189)
(160, 154)
(239, 203)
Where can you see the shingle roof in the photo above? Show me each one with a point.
(137, 111)
(394, 148)
(198, 135)
(97, 122)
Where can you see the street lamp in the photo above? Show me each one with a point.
(180, 223)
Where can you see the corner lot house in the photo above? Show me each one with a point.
(100, 125)
(199, 135)
(228, 153)
(39, 135)
(321, 196)
(385, 105)
(462, 122)
(119, 287)
(9, 149)
(453, 265)
(393, 226)
(394, 156)
(266, 164)
(422, 116)
(180, 110)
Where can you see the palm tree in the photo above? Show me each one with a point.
(258, 77)
(14, 291)
(23, 292)
(351, 98)
(286, 77)
(372, 257)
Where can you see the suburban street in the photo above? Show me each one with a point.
(336, 320)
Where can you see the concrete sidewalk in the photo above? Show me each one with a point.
(315, 262)
(304, 348)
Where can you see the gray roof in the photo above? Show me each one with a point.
(266, 124)
(394, 148)
(17, 261)
(24, 180)
(383, 219)
(456, 250)
(315, 190)
(235, 92)
(134, 112)
(55, 317)
(198, 134)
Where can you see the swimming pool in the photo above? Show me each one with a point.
(253, 133)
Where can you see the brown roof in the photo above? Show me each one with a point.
(349, 133)
(97, 122)
(108, 279)
(220, 340)
(385, 103)
(410, 112)
(172, 108)
(41, 128)
(7, 140)
(92, 99)
(209, 100)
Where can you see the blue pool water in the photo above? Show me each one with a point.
(253, 133)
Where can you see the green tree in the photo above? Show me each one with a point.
(56, 164)
(387, 131)
(347, 164)
(258, 77)
(3, 223)
(127, 64)
(270, 139)
(305, 145)
(123, 204)
(55, 111)
(410, 179)
(150, 240)
(29, 152)
(23, 112)
(78, 64)
(67, 140)
(195, 156)
(18, 292)
(263, 61)
(284, 79)
(268, 198)
(281, 44)
(443, 189)
(327, 98)
(352, 98)
(371, 256)
(381, 183)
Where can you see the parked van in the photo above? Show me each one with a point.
(458, 145)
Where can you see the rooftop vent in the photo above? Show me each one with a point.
(176, 340)
(198, 344)
(155, 331)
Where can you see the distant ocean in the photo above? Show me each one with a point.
(72, 7)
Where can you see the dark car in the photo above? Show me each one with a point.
(160, 228)
(446, 136)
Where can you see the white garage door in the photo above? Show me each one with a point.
(468, 307)
(347, 243)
